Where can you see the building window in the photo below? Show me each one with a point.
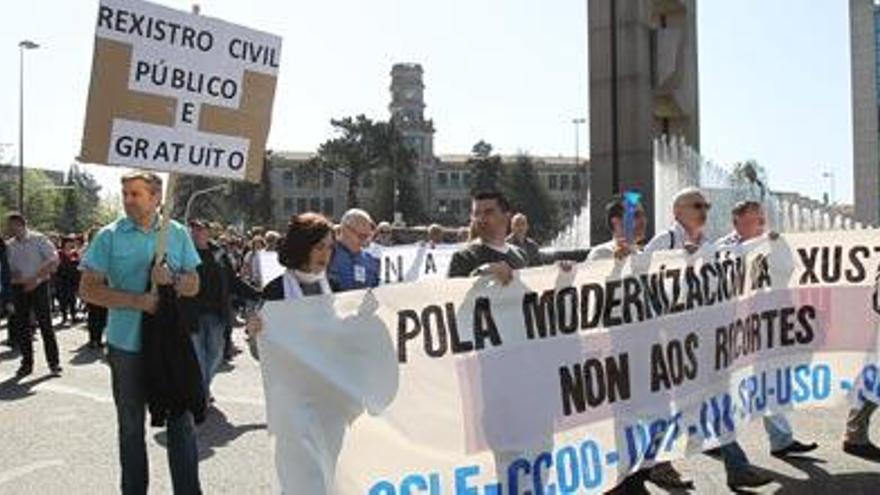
(301, 179)
(551, 182)
(315, 204)
(288, 203)
(576, 182)
(287, 178)
(455, 179)
(301, 205)
(563, 182)
(328, 207)
(466, 179)
(442, 206)
(328, 178)
(442, 179)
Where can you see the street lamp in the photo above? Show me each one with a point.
(22, 46)
(830, 175)
(225, 187)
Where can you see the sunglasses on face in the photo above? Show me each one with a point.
(703, 206)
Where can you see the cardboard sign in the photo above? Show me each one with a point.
(178, 92)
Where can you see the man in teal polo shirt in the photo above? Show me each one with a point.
(116, 272)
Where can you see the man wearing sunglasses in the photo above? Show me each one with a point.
(691, 209)
(351, 267)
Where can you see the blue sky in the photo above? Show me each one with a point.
(774, 76)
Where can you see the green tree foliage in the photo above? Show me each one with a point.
(376, 148)
(109, 209)
(527, 194)
(356, 151)
(42, 199)
(486, 169)
(79, 202)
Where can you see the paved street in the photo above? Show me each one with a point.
(58, 436)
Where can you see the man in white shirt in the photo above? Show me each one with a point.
(691, 209)
(619, 247)
(32, 259)
(750, 222)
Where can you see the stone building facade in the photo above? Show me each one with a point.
(443, 181)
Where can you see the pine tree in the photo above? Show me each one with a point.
(527, 194)
(486, 169)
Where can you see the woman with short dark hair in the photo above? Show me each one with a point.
(305, 253)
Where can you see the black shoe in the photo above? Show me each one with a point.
(666, 476)
(716, 452)
(794, 448)
(24, 371)
(55, 369)
(867, 451)
(747, 478)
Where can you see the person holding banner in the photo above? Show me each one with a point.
(384, 234)
(305, 252)
(691, 210)
(116, 270)
(627, 224)
(490, 253)
(624, 242)
(351, 266)
(749, 222)
(435, 235)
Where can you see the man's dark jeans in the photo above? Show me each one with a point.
(130, 398)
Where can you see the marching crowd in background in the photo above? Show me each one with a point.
(104, 277)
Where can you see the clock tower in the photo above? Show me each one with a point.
(407, 109)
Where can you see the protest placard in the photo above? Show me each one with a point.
(177, 92)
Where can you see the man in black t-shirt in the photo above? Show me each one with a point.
(490, 253)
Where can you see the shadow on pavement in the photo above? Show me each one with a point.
(86, 355)
(214, 433)
(14, 389)
(821, 481)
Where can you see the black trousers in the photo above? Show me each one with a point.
(37, 301)
(97, 320)
(67, 298)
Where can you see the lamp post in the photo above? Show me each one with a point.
(225, 187)
(830, 176)
(22, 46)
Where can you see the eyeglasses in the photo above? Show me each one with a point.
(362, 236)
(701, 206)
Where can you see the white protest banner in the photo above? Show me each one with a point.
(181, 93)
(566, 381)
(411, 262)
(267, 267)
